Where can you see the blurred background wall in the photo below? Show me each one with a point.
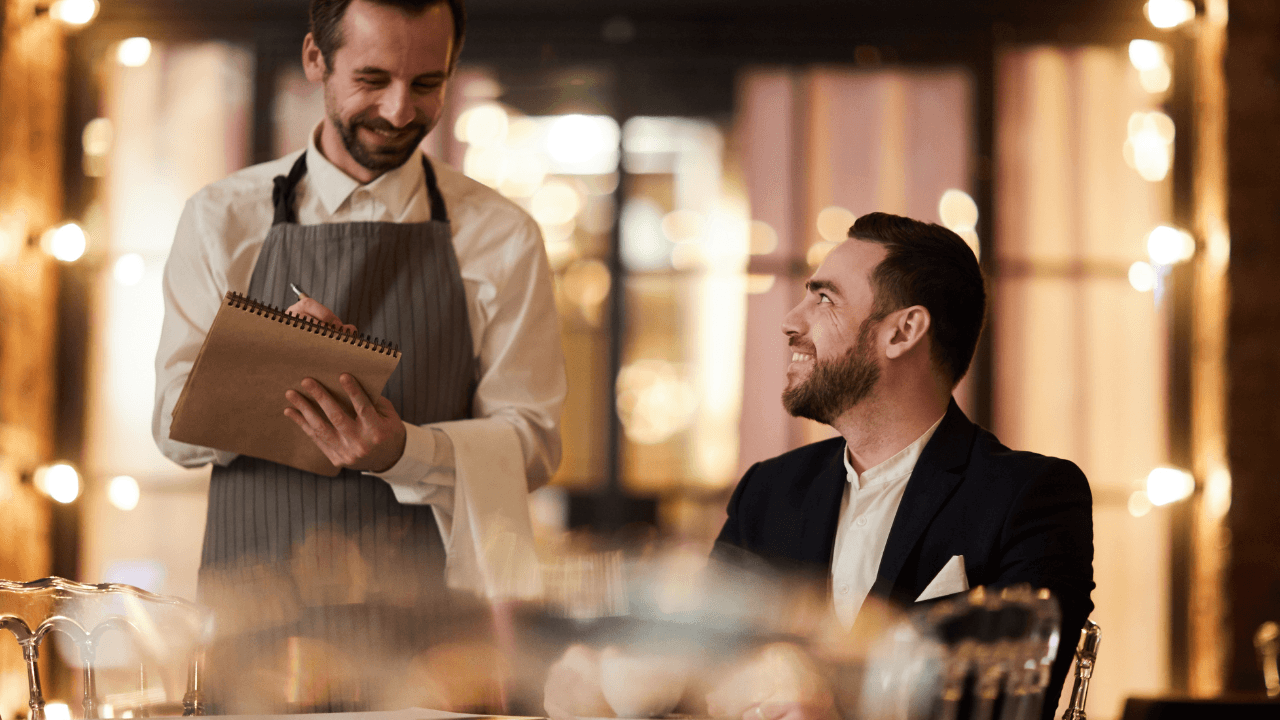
(690, 164)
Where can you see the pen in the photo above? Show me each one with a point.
(301, 295)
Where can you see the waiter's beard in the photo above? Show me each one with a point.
(834, 386)
(383, 157)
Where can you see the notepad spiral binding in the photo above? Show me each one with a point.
(378, 345)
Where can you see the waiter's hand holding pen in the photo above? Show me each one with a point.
(308, 308)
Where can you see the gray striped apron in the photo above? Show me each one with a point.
(276, 527)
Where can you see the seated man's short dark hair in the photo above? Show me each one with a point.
(929, 265)
(326, 22)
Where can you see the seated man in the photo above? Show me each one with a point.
(912, 501)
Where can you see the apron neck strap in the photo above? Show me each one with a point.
(284, 189)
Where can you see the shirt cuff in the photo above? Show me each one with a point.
(424, 474)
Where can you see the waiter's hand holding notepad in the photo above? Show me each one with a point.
(234, 398)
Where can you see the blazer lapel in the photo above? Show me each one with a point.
(821, 512)
(937, 473)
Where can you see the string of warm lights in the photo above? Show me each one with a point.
(1149, 151)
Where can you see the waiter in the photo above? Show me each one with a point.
(435, 472)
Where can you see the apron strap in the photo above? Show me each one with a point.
(284, 189)
(438, 211)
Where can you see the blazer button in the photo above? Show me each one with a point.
(862, 521)
(844, 589)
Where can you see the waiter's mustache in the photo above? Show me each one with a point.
(374, 122)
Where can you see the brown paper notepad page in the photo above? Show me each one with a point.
(234, 397)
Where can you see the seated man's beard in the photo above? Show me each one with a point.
(834, 386)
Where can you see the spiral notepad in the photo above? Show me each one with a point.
(234, 396)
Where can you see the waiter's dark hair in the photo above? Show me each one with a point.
(928, 265)
(326, 23)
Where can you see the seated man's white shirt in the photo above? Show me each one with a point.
(479, 498)
(867, 510)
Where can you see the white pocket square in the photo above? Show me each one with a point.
(949, 580)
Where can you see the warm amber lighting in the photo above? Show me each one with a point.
(1149, 149)
(555, 203)
(124, 493)
(485, 165)
(818, 252)
(834, 223)
(74, 13)
(584, 144)
(1156, 80)
(65, 242)
(1146, 54)
(764, 239)
(129, 269)
(59, 481)
(1139, 503)
(1167, 245)
(1166, 14)
(758, 284)
(682, 225)
(133, 52)
(57, 711)
(525, 174)
(654, 401)
(97, 137)
(483, 125)
(1142, 276)
(1167, 485)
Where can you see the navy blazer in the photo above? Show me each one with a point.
(1016, 517)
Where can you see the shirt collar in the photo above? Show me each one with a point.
(898, 467)
(394, 188)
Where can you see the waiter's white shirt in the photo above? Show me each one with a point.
(480, 499)
(866, 515)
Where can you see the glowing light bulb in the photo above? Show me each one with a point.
(1145, 54)
(66, 242)
(133, 52)
(59, 481)
(74, 13)
(1167, 245)
(129, 269)
(1142, 276)
(1166, 14)
(124, 493)
(1167, 485)
(57, 711)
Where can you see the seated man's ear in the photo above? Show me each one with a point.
(908, 327)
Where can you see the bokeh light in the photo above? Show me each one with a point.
(123, 492)
(1139, 503)
(57, 711)
(654, 401)
(129, 269)
(1149, 149)
(75, 13)
(59, 481)
(1167, 245)
(682, 226)
(1142, 276)
(555, 203)
(764, 239)
(834, 223)
(1167, 485)
(97, 137)
(65, 242)
(957, 210)
(1166, 14)
(133, 52)
(1146, 54)
(586, 144)
(484, 125)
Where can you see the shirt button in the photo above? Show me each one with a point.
(844, 589)
(862, 521)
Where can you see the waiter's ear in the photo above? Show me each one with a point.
(313, 60)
